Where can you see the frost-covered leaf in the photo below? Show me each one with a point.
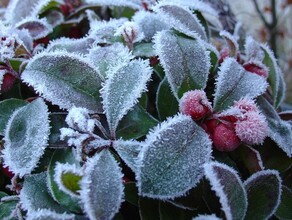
(276, 78)
(79, 46)
(128, 151)
(38, 28)
(34, 195)
(229, 188)
(26, 137)
(166, 103)
(67, 176)
(135, 124)
(62, 156)
(46, 214)
(285, 207)
(7, 107)
(103, 31)
(122, 89)
(105, 57)
(186, 61)
(197, 5)
(182, 20)
(101, 187)
(149, 23)
(170, 162)
(280, 131)
(19, 9)
(263, 192)
(234, 82)
(253, 50)
(8, 208)
(231, 41)
(55, 18)
(143, 50)
(135, 4)
(65, 79)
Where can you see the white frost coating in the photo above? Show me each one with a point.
(60, 169)
(101, 199)
(20, 9)
(103, 31)
(46, 73)
(128, 151)
(182, 59)
(135, 4)
(181, 19)
(233, 39)
(171, 159)
(192, 4)
(79, 119)
(46, 214)
(217, 186)
(81, 45)
(106, 57)
(24, 146)
(261, 173)
(149, 23)
(206, 217)
(38, 28)
(122, 89)
(234, 82)
(130, 31)
(253, 50)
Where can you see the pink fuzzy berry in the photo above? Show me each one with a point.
(224, 53)
(260, 70)
(225, 138)
(253, 129)
(246, 105)
(195, 103)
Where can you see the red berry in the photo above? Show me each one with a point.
(195, 104)
(8, 82)
(254, 68)
(225, 138)
(7, 172)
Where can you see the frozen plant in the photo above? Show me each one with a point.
(126, 109)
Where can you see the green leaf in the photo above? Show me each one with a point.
(143, 50)
(57, 121)
(280, 131)
(70, 45)
(26, 137)
(7, 107)
(185, 60)
(67, 201)
(276, 78)
(149, 209)
(285, 207)
(131, 193)
(7, 209)
(122, 89)
(166, 103)
(34, 194)
(101, 186)
(229, 188)
(264, 193)
(135, 124)
(170, 162)
(234, 83)
(128, 151)
(168, 211)
(65, 79)
(68, 176)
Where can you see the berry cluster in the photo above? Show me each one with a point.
(243, 122)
